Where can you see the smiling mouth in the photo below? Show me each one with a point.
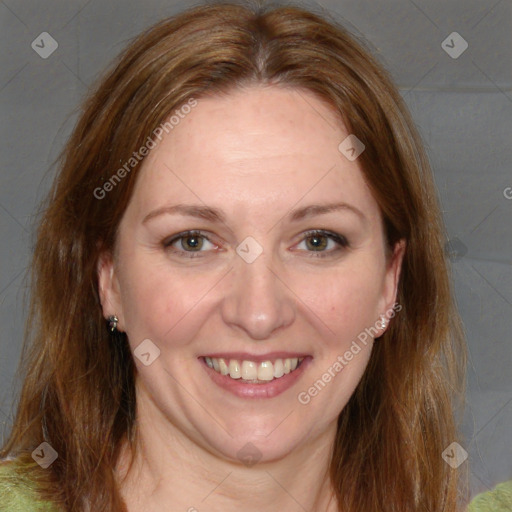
(252, 372)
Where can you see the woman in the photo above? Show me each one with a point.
(240, 296)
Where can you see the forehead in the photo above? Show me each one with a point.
(257, 145)
(257, 122)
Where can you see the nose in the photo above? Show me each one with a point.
(258, 301)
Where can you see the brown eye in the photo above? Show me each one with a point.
(324, 243)
(317, 242)
(188, 244)
(193, 242)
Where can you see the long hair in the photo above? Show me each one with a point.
(78, 386)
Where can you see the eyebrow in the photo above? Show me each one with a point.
(216, 215)
(321, 209)
(192, 210)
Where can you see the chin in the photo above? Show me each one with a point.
(251, 449)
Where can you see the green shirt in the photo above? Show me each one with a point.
(497, 500)
(18, 494)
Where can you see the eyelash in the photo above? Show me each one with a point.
(339, 239)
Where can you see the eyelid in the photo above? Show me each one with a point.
(190, 232)
(339, 239)
(168, 242)
(325, 232)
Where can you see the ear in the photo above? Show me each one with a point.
(109, 290)
(388, 307)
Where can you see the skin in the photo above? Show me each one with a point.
(256, 154)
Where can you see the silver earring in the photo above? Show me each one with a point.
(383, 322)
(112, 323)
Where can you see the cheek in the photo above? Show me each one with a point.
(157, 302)
(345, 299)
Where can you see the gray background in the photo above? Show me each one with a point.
(463, 108)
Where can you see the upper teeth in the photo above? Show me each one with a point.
(250, 370)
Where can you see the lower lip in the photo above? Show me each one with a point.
(268, 390)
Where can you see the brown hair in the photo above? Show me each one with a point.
(78, 386)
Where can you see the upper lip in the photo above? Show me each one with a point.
(257, 358)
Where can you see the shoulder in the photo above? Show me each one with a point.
(17, 492)
(497, 500)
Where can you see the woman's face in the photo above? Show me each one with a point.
(256, 174)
